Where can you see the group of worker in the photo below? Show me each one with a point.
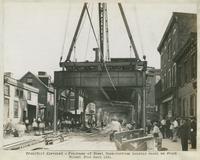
(183, 128)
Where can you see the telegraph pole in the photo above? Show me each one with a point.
(144, 99)
(55, 113)
(144, 91)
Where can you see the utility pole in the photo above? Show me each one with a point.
(144, 92)
(144, 99)
(55, 113)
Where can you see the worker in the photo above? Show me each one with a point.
(115, 127)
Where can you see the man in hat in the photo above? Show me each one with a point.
(184, 134)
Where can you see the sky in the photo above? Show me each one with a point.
(34, 32)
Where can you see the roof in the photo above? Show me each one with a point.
(19, 84)
(36, 77)
(174, 17)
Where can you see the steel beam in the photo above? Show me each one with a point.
(128, 30)
(76, 32)
(64, 79)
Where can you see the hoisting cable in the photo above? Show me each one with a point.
(99, 47)
(66, 29)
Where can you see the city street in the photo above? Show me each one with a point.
(113, 90)
(84, 141)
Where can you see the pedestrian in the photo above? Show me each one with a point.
(129, 126)
(175, 130)
(184, 134)
(38, 120)
(27, 124)
(149, 125)
(72, 124)
(168, 123)
(171, 128)
(34, 125)
(156, 131)
(134, 125)
(115, 127)
(102, 124)
(193, 133)
(163, 127)
(157, 135)
(42, 126)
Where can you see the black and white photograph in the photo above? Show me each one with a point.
(99, 76)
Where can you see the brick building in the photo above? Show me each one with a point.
(153, 76)
(186, 61)
(176, 34)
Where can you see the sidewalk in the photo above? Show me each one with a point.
(174, 146)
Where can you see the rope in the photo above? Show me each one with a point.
(100, 50)
(66, 29)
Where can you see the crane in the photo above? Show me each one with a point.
(102, 7)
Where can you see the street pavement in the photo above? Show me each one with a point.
(173, 146)
(85, 141)
(10, 139)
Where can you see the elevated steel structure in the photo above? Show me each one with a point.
(120, 79)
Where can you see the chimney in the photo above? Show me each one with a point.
(9, 74)
(44, 77)
(96, 50)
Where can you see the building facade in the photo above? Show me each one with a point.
(176, 34)
(152, 77)
(186, 60)
(20, 100)
(42, 81)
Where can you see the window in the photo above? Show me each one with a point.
(184, 107)
(29, 95)
(192, 105)
(173, 74)
(29, 81)
(165, 81)
(19, 93)
(16, 109)
(7, 90)
(162, 84)
(169, 48)
(185, 72)
(193, 66)
(169, 78)
(72, 103)
(162, 60)
(6, 105)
